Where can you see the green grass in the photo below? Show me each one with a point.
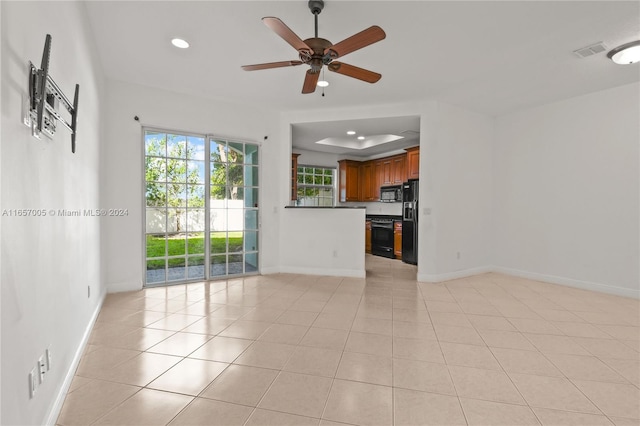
(193, 245)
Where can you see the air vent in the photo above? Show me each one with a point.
(590, 50)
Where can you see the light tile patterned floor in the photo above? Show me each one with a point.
(385, 350)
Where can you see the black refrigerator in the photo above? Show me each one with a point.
(410, 221)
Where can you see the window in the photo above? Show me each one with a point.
(316, 186)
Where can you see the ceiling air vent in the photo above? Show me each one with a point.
(590, 50)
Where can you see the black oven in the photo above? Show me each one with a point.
(382, 237)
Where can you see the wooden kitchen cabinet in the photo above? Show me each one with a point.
(377, 171)
(413, 162)
(361, 180)
(368, 182)
(294, 176)
(349, 179)
(367, 236)
(398, 170)
(397, 239)
(386, 175)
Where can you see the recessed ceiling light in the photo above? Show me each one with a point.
(180, 43)
(626, 54)
(351, 132)
(361, 138)
(322, 83)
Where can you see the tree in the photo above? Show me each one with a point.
(227, 173)
(171, 167)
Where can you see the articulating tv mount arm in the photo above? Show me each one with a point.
(44, 98)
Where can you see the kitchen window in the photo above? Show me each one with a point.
(316, 186)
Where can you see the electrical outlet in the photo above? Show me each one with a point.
(458, 255)
(33, 383)
(48, 357)
(335, 253)
(41, 368)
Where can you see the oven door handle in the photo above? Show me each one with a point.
(382, 225)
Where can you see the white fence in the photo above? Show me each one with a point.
(226, 215)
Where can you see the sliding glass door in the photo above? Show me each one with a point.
(201, 202)
(233, 209)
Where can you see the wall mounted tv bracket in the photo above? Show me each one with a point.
(44, 100)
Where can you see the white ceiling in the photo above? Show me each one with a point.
(490, 57)
(305, 135)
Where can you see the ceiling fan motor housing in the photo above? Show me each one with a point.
(316, 58)
(316, 6)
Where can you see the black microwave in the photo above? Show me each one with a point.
(391, 194)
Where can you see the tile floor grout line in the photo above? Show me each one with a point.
(386, 285)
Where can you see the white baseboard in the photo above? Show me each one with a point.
(570, 282)
(62, 393)
(435, 278)
(351, 273)
(124, 286)
(269, 270)
(552, 279)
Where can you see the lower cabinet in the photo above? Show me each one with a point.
(397, 239)
(367, 237)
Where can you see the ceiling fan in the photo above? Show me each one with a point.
(317, 52)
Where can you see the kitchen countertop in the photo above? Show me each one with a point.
(383, 216)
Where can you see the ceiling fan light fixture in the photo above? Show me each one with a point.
(322, 83)
(180, 43)
(626, 54)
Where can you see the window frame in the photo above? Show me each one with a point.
(301, 174)
(252, 254)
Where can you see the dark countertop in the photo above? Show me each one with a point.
(383, 216)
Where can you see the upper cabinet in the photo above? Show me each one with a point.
(294, 176)
(398, 171)
(413, 162)
(361, 180)
(369, 189)
(383, 169)
(349, 180)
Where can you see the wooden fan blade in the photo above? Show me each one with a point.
(280, 28)
(357, 41)
(310, 82)
(268, 65)
(355, 72)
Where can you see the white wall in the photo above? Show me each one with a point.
(47, 262)
(314, 158)
(326, 242)
(458, 175)
(122, 161)
(566, 187)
